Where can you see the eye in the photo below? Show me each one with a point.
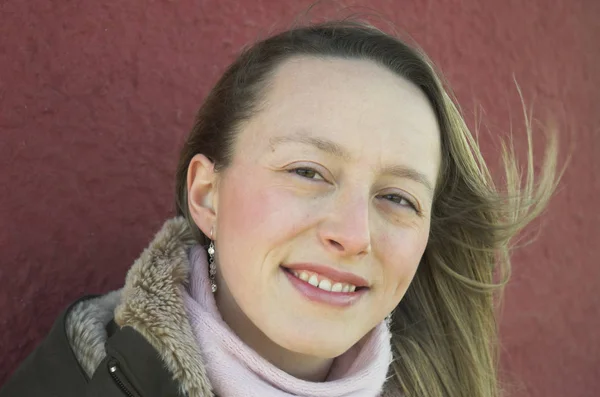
(307, 172)
(401, 201)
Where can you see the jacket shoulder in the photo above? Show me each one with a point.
(61, 366)
(52, 368)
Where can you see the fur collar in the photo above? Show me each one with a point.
(151, 303)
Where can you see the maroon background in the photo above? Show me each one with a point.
(96, 97)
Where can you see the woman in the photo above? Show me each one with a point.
(338, 234)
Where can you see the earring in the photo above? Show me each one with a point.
(212, 266)
(388, 321)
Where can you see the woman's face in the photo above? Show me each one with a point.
(331, 184)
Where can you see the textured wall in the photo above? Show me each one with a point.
(96, 97)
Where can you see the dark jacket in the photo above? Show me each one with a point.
(136, 341)
(131, 367)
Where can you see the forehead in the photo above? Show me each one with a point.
(373, 113)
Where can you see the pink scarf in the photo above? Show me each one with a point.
(235, 370)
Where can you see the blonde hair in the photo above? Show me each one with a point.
(444, 329)
(445, 333)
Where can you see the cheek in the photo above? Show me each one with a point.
(240, 224)
(254, 216)
(241, 208)
(403, 252)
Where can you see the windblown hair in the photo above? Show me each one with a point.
(444, 329)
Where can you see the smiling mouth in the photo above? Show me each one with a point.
(319, 281)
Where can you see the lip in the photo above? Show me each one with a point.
(315, 294)
(332, 274)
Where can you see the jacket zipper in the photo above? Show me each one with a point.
(115, 373)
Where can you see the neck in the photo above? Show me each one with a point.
(301, 366)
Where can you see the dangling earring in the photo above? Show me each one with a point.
(212, 266)
(388, 321)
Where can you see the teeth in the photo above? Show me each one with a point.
(325, 284)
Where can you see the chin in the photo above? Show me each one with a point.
(322, 342)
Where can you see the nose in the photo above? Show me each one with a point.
(345, 229)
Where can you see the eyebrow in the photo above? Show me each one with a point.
(409, 173)
(335, 149)
(322, 144)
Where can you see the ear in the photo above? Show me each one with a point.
(201, 189)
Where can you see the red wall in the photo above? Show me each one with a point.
(96, 97)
